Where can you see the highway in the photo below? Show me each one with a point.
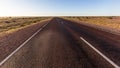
(61, 43)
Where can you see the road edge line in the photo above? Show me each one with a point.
(9, 56)
(105, 57)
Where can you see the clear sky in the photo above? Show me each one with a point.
(59, 7)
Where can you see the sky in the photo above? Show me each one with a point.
(59, 7)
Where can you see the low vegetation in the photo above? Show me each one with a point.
(108, 21)
(9, 23)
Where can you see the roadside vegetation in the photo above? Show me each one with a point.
(10, 23)
(104, 21)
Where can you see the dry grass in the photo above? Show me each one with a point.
(13, 23)
(110, 22)
(9, 25)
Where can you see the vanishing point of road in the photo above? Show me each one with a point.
(61, 43)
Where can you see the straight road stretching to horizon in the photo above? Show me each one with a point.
(62, 43)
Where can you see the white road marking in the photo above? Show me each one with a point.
(2, 62)
(44, 25)
(106, 58)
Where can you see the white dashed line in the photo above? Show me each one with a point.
(2, 62)
(106, 58)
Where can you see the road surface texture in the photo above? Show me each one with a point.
(62, 44)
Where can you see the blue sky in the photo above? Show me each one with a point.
(59, 7)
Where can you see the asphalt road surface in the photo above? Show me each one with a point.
(65, 44)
